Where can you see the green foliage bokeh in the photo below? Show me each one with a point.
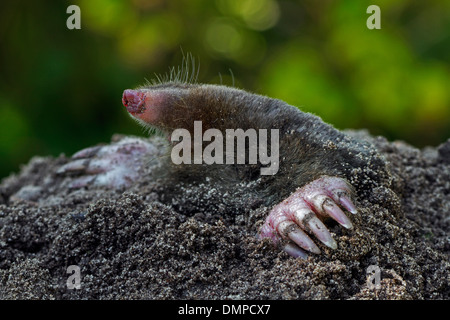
(61, 89)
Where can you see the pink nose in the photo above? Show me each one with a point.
(134, 100)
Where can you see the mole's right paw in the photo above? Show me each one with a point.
(115, 166)
(303, 211)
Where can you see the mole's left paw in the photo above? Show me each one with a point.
(114, 166)
(303, 210)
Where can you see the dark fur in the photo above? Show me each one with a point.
(309, 148)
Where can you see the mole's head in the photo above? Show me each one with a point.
(174, 105)
(155, 106)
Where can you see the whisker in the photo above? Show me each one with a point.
(232, 76)
(186, 73)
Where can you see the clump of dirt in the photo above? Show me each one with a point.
(130, 246)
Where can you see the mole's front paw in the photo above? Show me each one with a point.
(116, 165)
(303, 210)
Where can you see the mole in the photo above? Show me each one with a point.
(320, 174)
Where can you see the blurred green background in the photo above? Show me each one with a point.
(60, 89)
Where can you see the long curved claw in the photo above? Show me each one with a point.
(318, 228)
(333, 211)
(76, 166)
(86, 153)
(345, 201)
(295, 251)
(305, 217)
(290, 230)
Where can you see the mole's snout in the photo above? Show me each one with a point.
(134, 101)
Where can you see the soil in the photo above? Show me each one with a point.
(128, 245)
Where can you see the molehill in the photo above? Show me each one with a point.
(128, 245)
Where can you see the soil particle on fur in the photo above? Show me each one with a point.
(128, 245)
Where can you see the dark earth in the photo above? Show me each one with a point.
(128, 245)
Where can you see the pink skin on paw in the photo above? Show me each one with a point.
(115, 166)
(302, 210)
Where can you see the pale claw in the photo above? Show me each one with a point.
(295, 251)
(82, 182)
(333, 210)
(87, 153)
(301, 211)
(318, 228)
(116, 165)
(76, 166)
(293, 232)
(345, 201)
